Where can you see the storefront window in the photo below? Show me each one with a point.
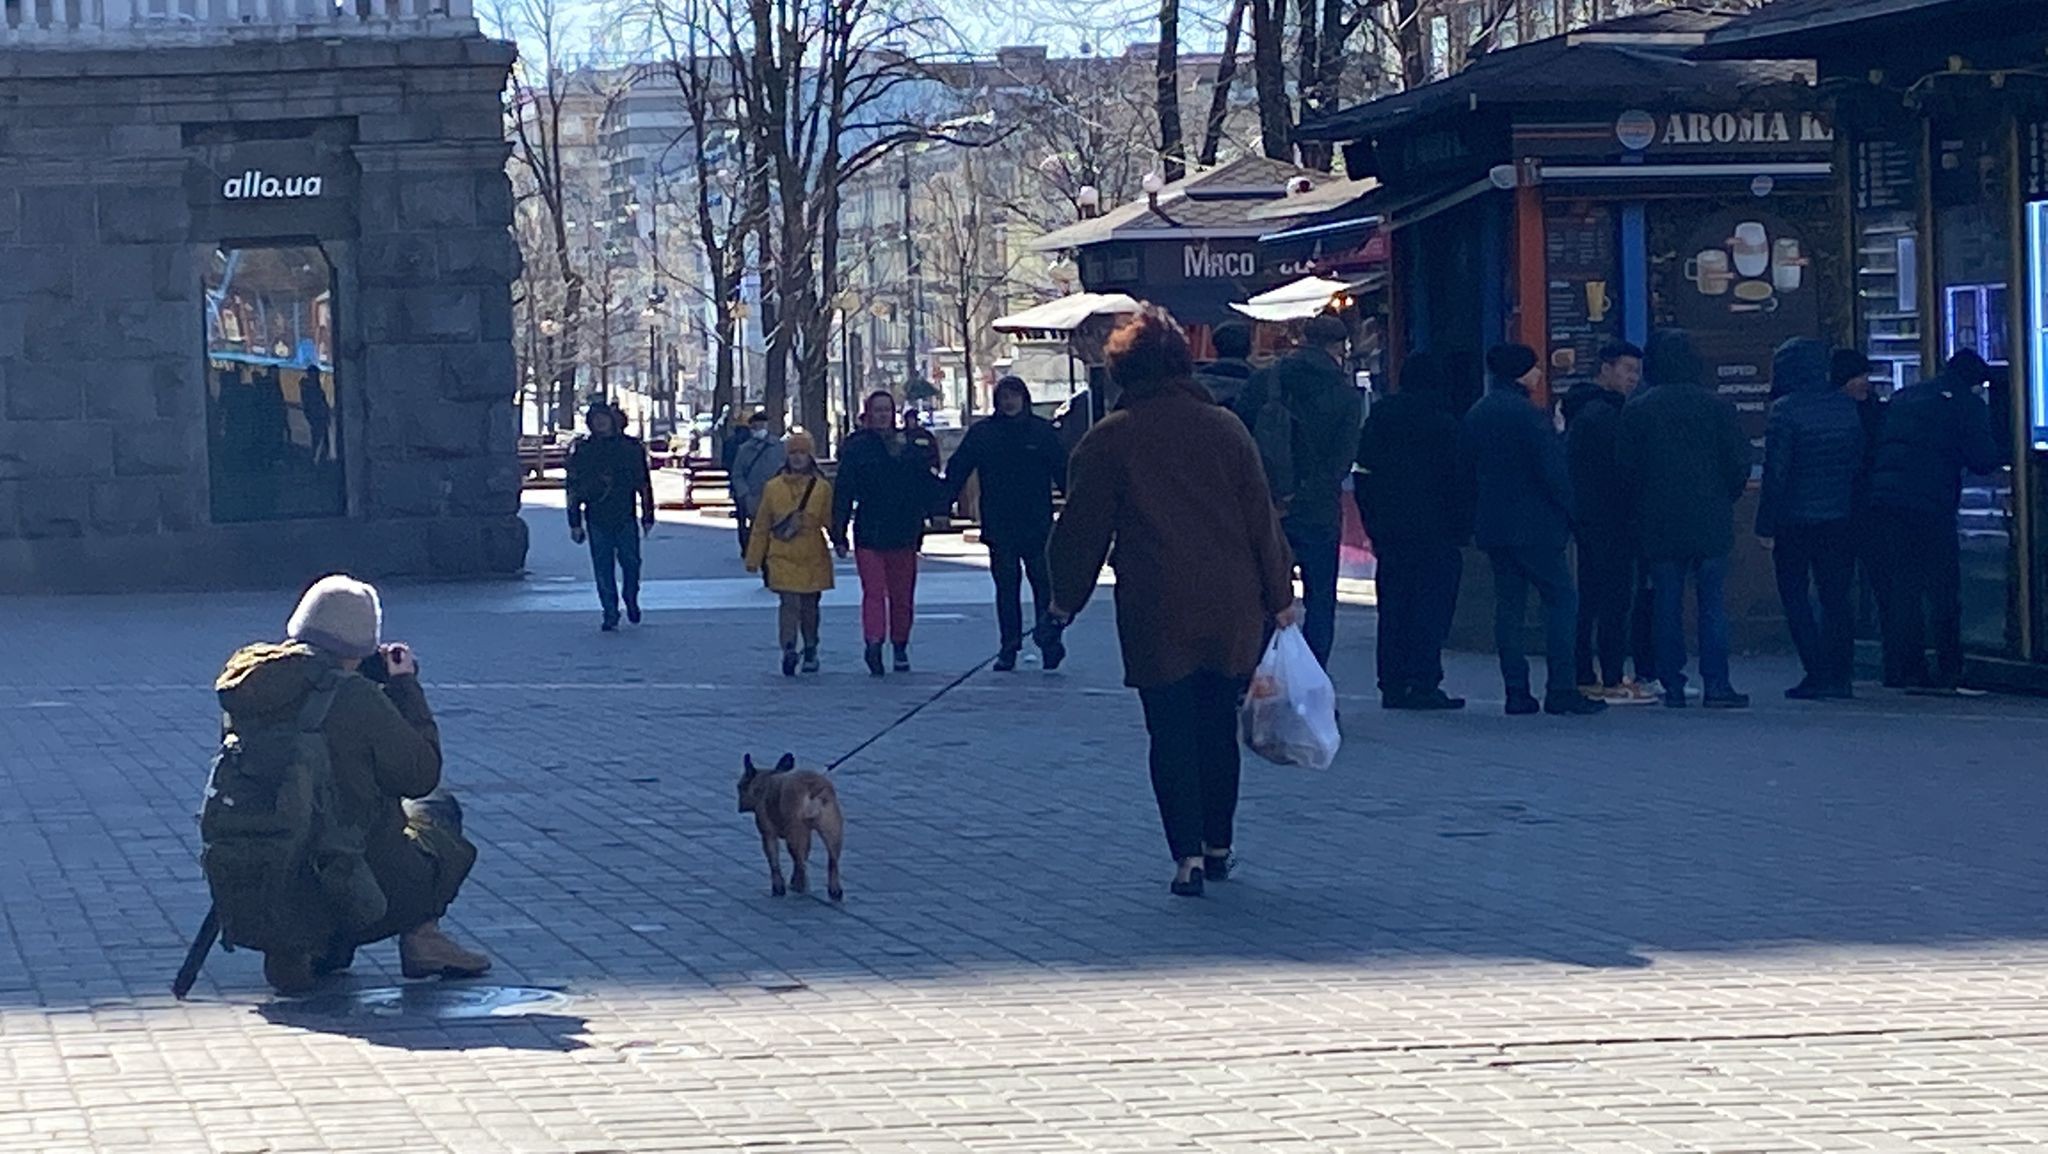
(273, 433)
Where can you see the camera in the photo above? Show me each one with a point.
(376, 667)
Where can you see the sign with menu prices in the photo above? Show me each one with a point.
(1887, 174)
(1582, 298)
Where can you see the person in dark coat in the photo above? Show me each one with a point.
(1416, 503)
(1601, 524)
(1523, 521)
(1021, 462)
(1934, 433)
(1849, 371)
(1312, 384)
(1226, 376)
(607, 475)
(887, 488)
(728, 456)
(1685, 462)
(1174, 485)
(1813, 468)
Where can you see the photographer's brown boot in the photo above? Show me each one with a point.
(428, 953)
(289, 974)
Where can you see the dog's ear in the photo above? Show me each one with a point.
(748, 762)
(787, 763)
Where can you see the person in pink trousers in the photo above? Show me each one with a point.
(887, 487)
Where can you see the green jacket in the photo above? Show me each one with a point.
(385, 748)
(1327, 414)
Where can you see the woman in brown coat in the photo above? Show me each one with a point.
(1174, 484)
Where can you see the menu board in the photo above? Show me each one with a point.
(2034, 161)
(1887, 174)
(1583, 291)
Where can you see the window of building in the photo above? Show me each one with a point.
(273, 427)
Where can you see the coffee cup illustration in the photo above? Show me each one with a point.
(1786, 265)
(1596, 301)
(1709, 272)
(1751, 245)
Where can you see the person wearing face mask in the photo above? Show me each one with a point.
(887, 487)
(1020, 461)
(756, 462)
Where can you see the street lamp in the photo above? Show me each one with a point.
(549, 326)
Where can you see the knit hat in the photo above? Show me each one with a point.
(340, 615)
(1846, 366)
(1510, 362)
(798, 441)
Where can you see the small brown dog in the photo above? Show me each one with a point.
(788, 803)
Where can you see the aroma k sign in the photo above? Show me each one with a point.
(255, 184)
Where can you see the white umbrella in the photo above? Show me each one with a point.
(1065, 314)
(1294, 301)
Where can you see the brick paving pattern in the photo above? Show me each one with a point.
(1803, 928)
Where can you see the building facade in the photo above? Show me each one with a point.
(255, 314)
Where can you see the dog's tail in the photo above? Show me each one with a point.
(820, 798)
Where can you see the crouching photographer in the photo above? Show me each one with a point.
(324, 826)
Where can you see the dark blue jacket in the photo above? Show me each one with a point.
(1592, 420)
(1933, 432)
(1813, 446)
(1519, 475)
(1684, 460)
(1410, 487)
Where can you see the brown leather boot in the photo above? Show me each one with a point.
(426, 952)
(289, 974)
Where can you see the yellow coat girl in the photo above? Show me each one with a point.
(802, 564)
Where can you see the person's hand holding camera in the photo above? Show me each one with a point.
(400, 661)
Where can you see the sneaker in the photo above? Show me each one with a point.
(633, 612)
(1574, 705)
(903, 659)
(1630, 693)
(1523, 704)
(1726, 699)
(789, 661)
(873, 655)
(1595, 690)
(1006, 661)
(428, 953)
(1432, 700)
(810, 664)
(609, 625)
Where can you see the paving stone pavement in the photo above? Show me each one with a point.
(1803, 928)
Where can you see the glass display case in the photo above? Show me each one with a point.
(2037, 324)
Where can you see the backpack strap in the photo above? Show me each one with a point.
(313, 714)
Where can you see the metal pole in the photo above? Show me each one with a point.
(909, 280)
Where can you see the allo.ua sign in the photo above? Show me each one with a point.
(256, 184)
(249, 191)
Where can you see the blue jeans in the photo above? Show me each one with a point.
(1316, 551)
(610, 550)
(1710, 586)
(1515, 572)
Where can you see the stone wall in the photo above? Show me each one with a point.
(103, 445)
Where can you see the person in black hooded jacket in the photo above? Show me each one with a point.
(887, 487)
(1601, 525)
(1416, 504)
(1020, 461)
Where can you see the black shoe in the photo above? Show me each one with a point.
(810, 664)
(1191, 888)
(1726, 699)
(610, 625)
(1217, 867)
(1804, 691)
(1052, 645)
(789, 661)
(903, 659)
(1573, 704)
(1433, 699)
(337, 960)
(1006, 661)
(1675, 700)
(1523, 704)
(1397, 698)
(873, 654)
(633, 612)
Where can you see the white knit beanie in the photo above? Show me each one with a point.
(340, 615)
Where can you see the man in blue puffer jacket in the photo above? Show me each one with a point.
(1813, 465)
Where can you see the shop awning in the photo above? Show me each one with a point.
(1296, 300)
(1065, 314)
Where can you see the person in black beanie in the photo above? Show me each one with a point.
(1523, 523)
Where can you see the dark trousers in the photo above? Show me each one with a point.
(1011, 568)
(615, 554)
(1924, 561)
(1193, 725)
(1607, 593)
(1822, 556)
(1515, 572)
(1710, 587)
(744, 523)
(1315, 551)
(1418, 595)
(1874, 554)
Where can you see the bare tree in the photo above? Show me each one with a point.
(1219, 94)
(1166, 74)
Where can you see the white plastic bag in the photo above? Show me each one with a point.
(1290, 714)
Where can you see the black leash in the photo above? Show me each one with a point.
(920, 707)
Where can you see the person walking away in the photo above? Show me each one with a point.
(1813, 464)
(1523, 521)
(1173, 484)
(1849, 371)
(388, 843)
(1934, 432)
(319, 414)
(1020, 461)
(756, 462)
(607, 475)
(1226, 376)
(1416, 503)
(1600, 523)
(736, 438)
(790, 548)
(887, 485)
(1304, 416)
(1685, 463)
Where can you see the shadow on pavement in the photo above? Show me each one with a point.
(437, 1016)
